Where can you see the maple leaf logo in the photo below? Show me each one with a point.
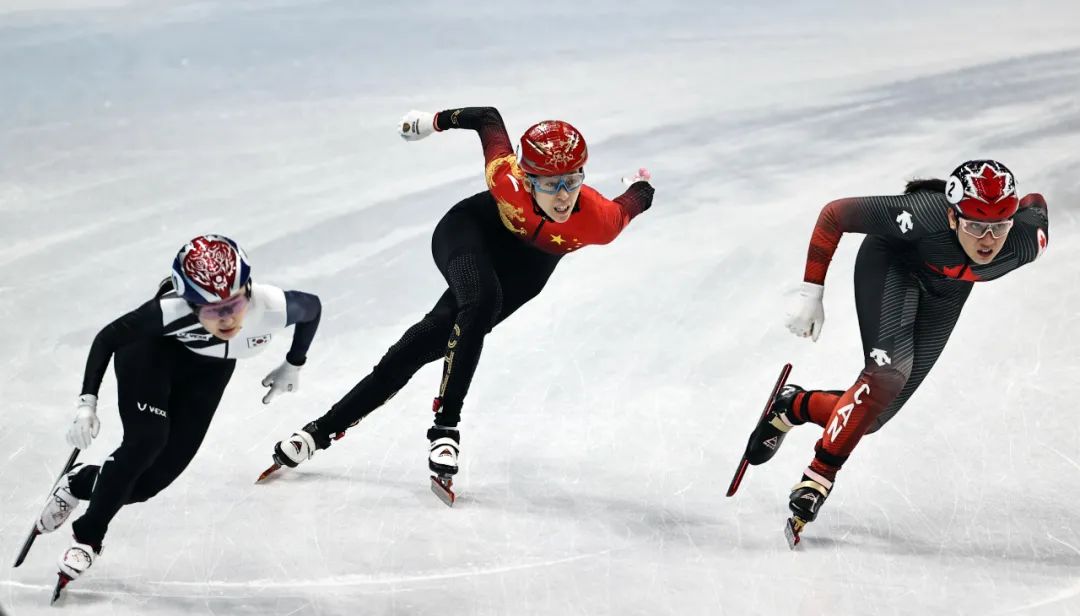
(990, 186)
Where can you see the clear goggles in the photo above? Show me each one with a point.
(979, 228)
(552, 184)
(226, 308)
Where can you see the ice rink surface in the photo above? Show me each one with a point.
(607, 415)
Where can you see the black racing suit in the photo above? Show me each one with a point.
(912, 279)
(170, 375)
(496, 250)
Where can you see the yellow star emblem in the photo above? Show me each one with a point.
(557, 239)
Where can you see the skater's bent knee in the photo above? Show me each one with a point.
(884, 383)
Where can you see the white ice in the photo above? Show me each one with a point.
(607, 415)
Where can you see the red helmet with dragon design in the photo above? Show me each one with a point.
(552, 147)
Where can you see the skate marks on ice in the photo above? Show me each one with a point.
(1011, 114)
(138, 598)
(1070, 595)
(287, 596)
(1063, 598)
(968, 557)
(374, 580)
(614, 530)
(106, 588)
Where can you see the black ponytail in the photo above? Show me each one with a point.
(924, 185)
(165, 286)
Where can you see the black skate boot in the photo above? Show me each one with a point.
(773, 427)
(805, 502)
(807, 497)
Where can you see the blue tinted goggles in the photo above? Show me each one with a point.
(552, 184)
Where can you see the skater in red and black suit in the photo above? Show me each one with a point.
(923, 252)
(496, 250)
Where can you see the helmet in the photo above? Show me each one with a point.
(210, 268)
(552, 147)
(983, 190)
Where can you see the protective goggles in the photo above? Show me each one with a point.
(222, 309)
(552, 184)
(978, 228)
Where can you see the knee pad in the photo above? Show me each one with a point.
(885, 383)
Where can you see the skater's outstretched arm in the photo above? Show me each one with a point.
(903, 217)
(906, 218)
(486, 121)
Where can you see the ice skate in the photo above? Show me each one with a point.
(805, 502)
(60, 504)
(736, 480)
(74, 562)
(299, 447)
(443, 461)
(772, 427)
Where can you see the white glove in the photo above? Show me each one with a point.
(642, 175)
(807, 315)
(416, 125)
(285, 377)
(86, 425)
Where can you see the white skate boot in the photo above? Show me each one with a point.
(74, 562)
(301, 446)
(443, 461)
(295, 449)
(61, 504)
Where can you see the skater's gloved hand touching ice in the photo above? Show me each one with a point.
(807, 314)
(416, 125)
(85, 426)
(285, 377)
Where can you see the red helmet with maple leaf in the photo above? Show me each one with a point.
(983, 190)
(552, 147)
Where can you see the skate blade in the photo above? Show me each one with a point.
(744, 463)
(793, 531)
(270, 471)
(61, 583)
(34, 534)
(442, 486)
